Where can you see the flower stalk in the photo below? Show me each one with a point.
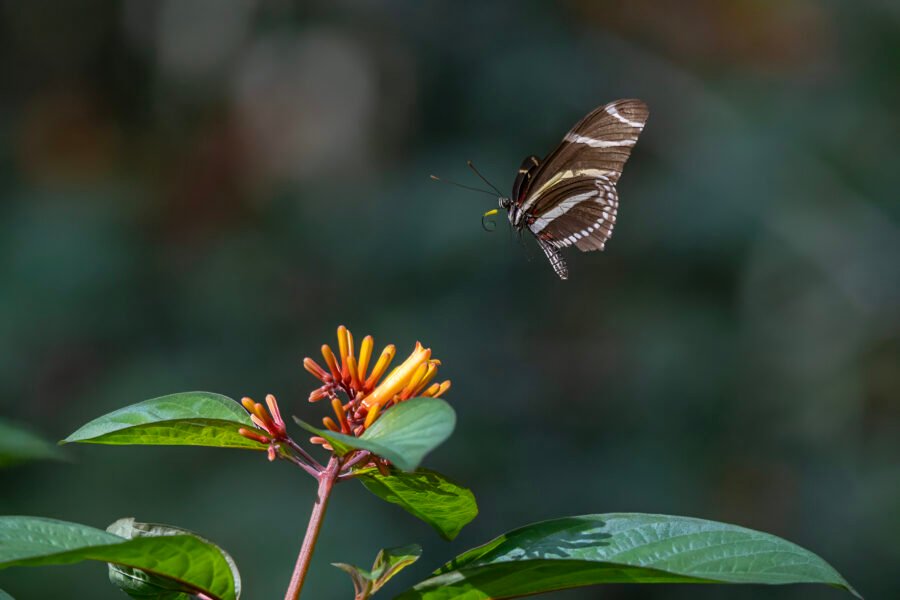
(327, 479)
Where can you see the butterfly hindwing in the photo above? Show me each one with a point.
(555, 258)
(583, 213)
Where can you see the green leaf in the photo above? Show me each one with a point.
(622, 548)
(187, 419)
(388, 563)
(427, 495)
(18, 445)
(391, 561)
(194, 563)
(404, 434)
(141, 584)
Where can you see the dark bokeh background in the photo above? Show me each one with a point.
(196, 193)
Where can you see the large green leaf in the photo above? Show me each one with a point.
(388, 563)
(187, 419)
(18, 445)
(138, 583)
(186, 559)
(427, 495)
(404, 434)
(622, 548)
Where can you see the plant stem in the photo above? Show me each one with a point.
(326, 481)
(358, 457)
(304, 454)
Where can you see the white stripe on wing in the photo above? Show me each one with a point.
(560, 209)
(594, 143)
(613, 112)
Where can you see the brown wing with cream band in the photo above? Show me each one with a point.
(570, 198)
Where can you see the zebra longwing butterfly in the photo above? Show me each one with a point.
(570, 197)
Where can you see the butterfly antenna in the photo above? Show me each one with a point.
(481, 177)
(465, 187)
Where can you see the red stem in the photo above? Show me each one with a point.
(326, 482)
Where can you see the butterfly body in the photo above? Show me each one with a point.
(570, 197)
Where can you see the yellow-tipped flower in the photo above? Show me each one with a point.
(384, 361)
(345, 374)
(365, 354)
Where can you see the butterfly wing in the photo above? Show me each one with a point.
(526, 173)
(571, 198)
(583, 213)
(555, 258)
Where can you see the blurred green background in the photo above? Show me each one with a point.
(196, 193)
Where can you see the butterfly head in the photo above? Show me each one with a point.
(512, 211)
(505, 204)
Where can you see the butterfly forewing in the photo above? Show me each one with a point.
(598, 145)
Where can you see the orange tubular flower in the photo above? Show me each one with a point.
(384, 361)
(345, 374)
(398, 379)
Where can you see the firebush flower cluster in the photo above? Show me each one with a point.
(358, 396)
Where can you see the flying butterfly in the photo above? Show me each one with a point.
(570, 197)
